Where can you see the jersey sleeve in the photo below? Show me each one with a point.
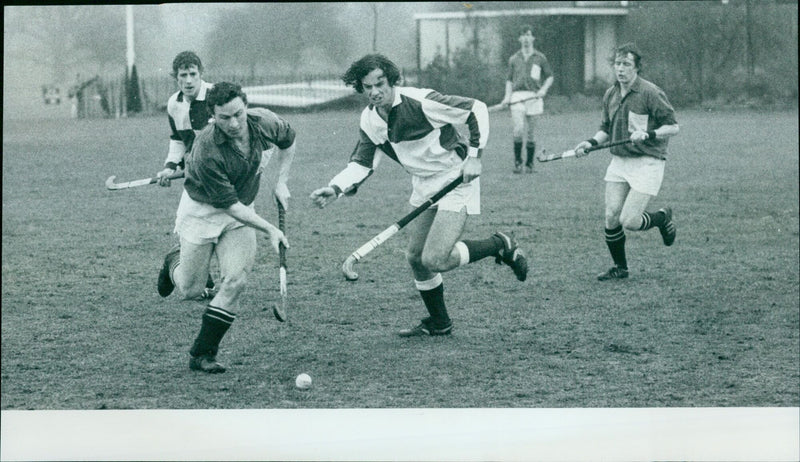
(547, 70)
(605, 122)
(362, 164)
(442, 110)
(661, 109)
(177, 148)
(277, 130)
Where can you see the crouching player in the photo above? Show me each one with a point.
(216, 214)
(415, 127)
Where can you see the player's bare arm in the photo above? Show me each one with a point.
(545, 87)
(284, 159)
(250, 218)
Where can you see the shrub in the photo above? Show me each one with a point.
(468, 74)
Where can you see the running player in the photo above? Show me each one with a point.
(187, 111)
(415, 127)
(638, 110)
(188, 114)
(216, 213)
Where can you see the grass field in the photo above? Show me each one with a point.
(711, 321)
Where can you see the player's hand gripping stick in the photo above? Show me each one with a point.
(544, 157)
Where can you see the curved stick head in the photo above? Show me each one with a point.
(110, 182)
(279, 312)
(347, 269)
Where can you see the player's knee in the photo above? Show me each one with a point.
(612, 218)
(631, 222)
(414, 259)
(235, 281)
(434, 260)
(192, 290)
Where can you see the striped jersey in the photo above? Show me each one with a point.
(185, 121)
(420, 135)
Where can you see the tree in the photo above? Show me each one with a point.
(278, 37)
(132, 91)
(71, 39)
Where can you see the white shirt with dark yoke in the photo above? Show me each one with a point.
(419, 134)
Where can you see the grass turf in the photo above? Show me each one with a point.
(711, 321)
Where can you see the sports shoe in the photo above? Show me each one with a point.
(668, 231)
(165, 284)
(512, 256)
(518, 168)
(613, 273)
(424, 328)
(206, 363)
(208, 293)
(529, 169)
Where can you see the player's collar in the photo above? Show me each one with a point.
(635, 86)
(397, 98)
(396, 101)
(201, 95)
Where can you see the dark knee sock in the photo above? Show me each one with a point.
(216, 322)
(210, 282)
(653, 220)
(531, 148)
(479, 250)
(517, 152)
(615, 240)
(434, 302)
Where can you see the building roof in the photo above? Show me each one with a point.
(558, 11)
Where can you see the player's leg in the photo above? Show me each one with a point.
(616, 193)
(183, 265)
(444, 251)
(645, 179)
(518, 133)
(632, 215)
(198, 231)
(235, 251)
(439, 253)
(530, 145)
(428, 282)
(635, 218)
(190, 272)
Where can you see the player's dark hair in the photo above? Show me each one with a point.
(185, 60)
(631, 48)
(223, 93)
(359, 69)
(525, 28)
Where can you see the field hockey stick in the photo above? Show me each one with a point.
(279, 309)
(347, 266)
(501, 106)
(132, 184)
(544, 157)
